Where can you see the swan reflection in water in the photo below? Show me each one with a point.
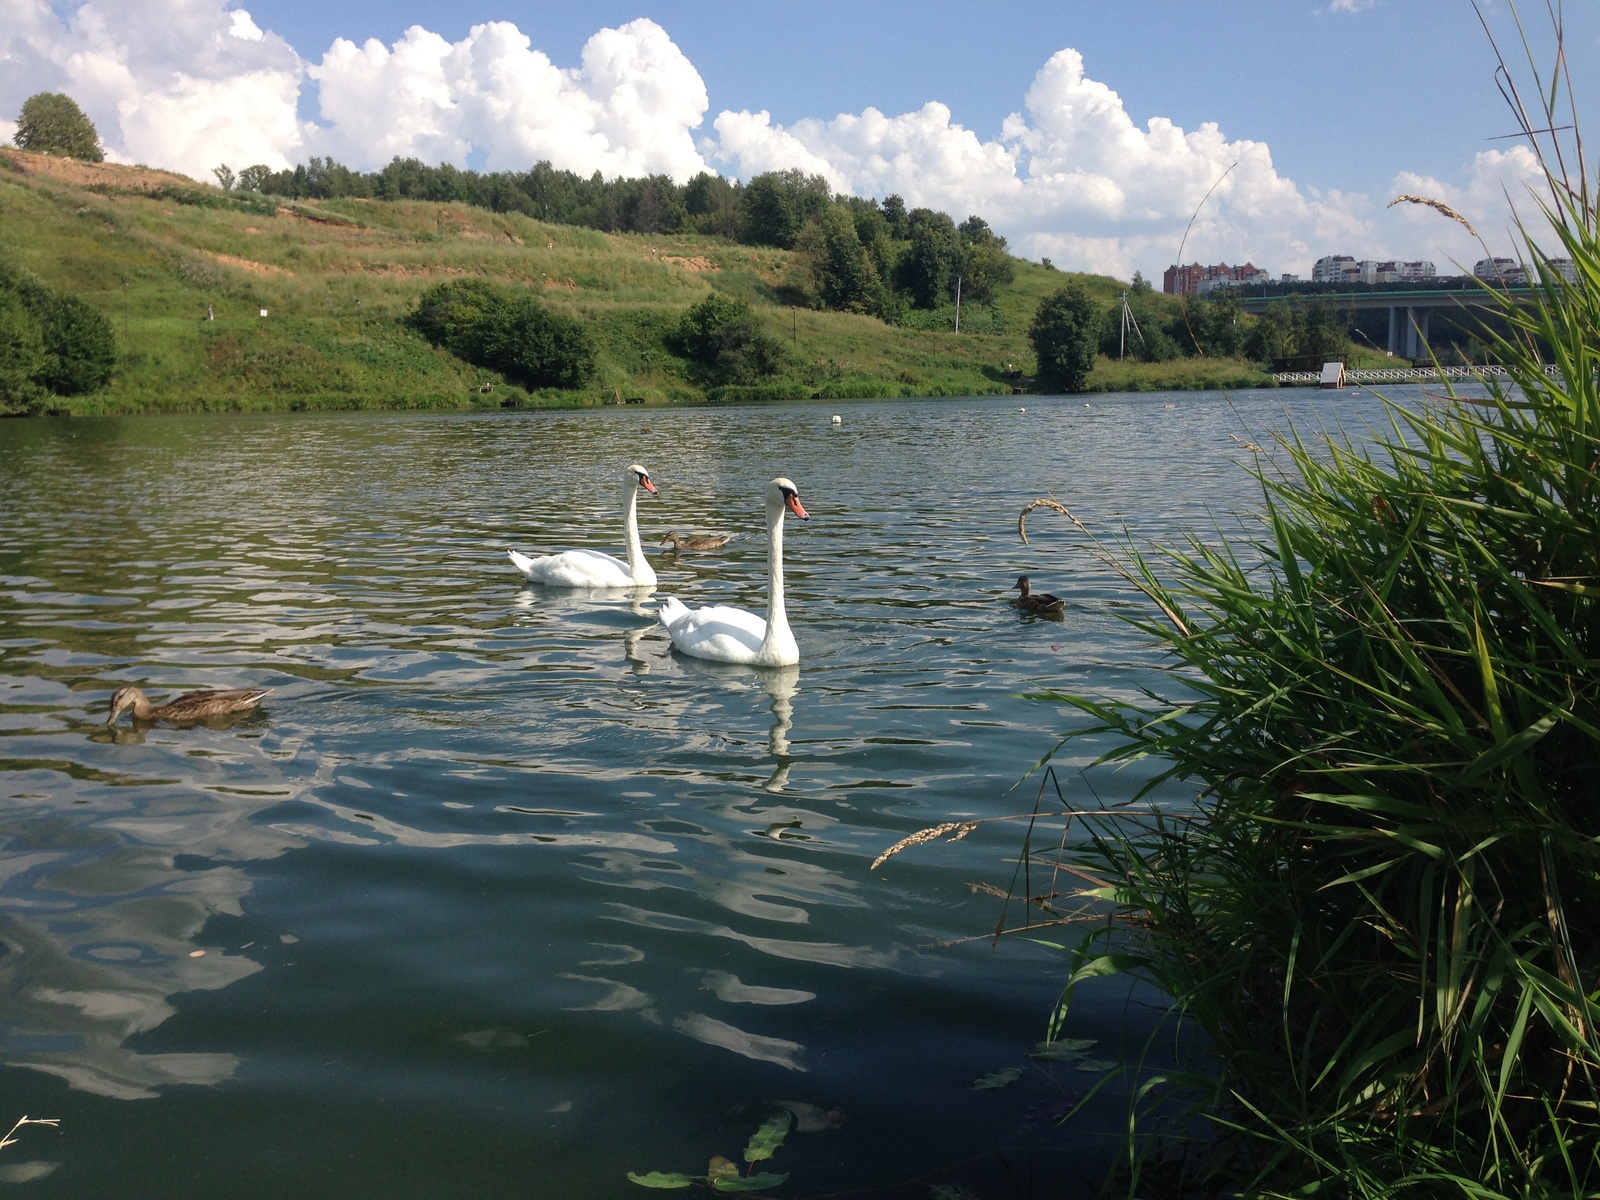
(781, 684)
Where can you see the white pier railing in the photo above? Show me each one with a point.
(1402, 374)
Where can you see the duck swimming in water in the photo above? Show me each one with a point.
(187, 709)
(707, 542)
(1039, 603)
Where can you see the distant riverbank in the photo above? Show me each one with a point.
(224, 303)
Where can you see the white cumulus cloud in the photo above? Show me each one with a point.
(190, 84)
(627, 110)
(1071, 176)
(183, 84)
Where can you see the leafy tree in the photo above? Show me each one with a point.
(254, 179)
(1154, 341)
(507, 330)
(1141, 285)
(985, 265)
(650, 205)
(712, 204)
(721, 338)
(842, 274)
(1213, 325)
(928, 268)
(776, 205)
(1293, 328)
(225, 177)
(894, 212)
(1064, 332)
(52, 123)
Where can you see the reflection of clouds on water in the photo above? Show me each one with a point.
(730, 989)
(751, 1045)
(828, 953)
(619, 997)
(99, 920)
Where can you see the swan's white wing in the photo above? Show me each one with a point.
(575, 568)
(720, 634)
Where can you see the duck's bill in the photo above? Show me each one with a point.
(792, 503)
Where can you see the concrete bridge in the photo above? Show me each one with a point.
(1408, 311)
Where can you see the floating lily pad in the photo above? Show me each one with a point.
(661, 1179)
(1098, 1064)
(747, 1183)
(997, 1079)
(1063, 1049)
(765, 1141)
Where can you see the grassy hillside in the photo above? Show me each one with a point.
(153, 251)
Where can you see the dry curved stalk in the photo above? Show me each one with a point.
(1438, 206)
(1101, 553)
(933, 834)
(1248, 445)
(10, 1139)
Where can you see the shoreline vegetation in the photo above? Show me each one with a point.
(1379, 922)
(184, 271)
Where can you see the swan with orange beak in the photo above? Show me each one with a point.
(733, 635)
(591, 568)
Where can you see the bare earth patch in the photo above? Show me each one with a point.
(88, 174)
(697, 263)
(248, 264)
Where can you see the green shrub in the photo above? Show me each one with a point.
(22, 357)
(49, 343)
(721, 338)
(1384, 909)
(506, 330)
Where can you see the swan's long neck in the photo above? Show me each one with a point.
(777, 619)
(630, 528)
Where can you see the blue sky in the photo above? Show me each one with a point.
(1330, 106)
(1345, 99)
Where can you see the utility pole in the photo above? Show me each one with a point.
(794, 334)
(958, 304)
(1128, 319)
(125, 309)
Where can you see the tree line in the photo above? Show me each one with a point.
(852, 254)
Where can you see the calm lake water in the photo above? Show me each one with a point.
(497, 896)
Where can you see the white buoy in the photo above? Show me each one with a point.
(837, 419)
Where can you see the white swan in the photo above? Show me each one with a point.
(732, 635)
(590, 568)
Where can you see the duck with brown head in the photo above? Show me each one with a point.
(188, 709)
(713, 541)
(1041, 604)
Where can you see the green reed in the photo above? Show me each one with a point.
(1383, 911)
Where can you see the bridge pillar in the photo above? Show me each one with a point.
(1394, 330)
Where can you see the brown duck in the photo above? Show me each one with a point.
(708, 542)
(187, 709)
(1039, 603)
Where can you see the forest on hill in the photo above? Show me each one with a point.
(421, 286)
